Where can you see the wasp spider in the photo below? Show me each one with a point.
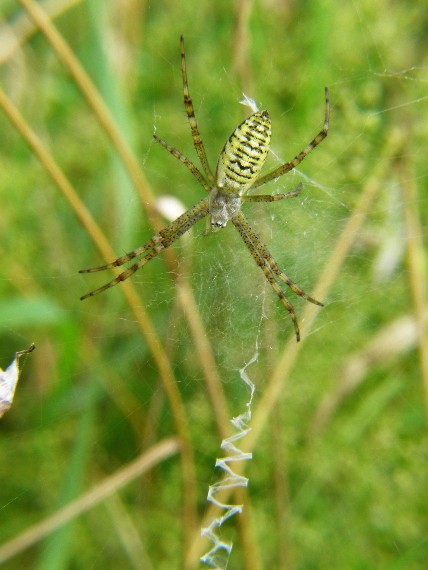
(237, 172)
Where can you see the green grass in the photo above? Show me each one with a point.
(340, 463)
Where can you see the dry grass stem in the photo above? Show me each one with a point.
(158, 453)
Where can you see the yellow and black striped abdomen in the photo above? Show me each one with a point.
(244, 154)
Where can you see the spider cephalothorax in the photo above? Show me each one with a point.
(237, 172)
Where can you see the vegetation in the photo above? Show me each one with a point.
(139, 383)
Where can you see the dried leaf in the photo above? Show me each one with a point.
(9, 380)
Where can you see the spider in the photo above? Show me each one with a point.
(237, 172)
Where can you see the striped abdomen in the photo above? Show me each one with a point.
(244, 154)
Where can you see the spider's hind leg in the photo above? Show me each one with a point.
(188, 105)
(189, 164)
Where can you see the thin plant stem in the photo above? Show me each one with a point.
(132, 166)
(98, 106)
(13, 36)
(134, 301)
(417, 270)
(336, 260)
(203, 347)
(110, 485)
(288, 357)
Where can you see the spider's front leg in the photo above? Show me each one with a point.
(154, 245)
(160, 241)
(269, 267)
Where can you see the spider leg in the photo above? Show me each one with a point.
(252, 241)
(298, 158)
(272, 197)
(125, 274)
(293, 286)
(124, 259)
(193, 169)
(197, 140)
(160, 241)
(263, 250)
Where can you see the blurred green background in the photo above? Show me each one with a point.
(339, 472)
